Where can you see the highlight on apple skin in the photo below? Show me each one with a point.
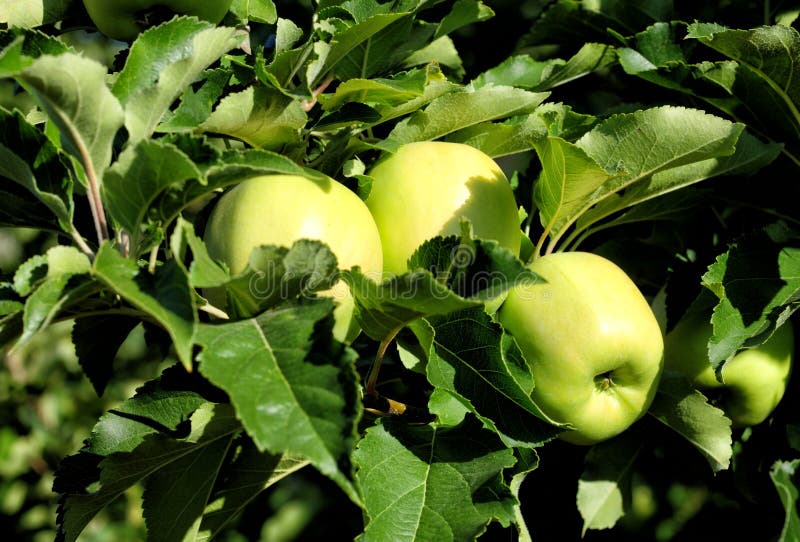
(425, 189)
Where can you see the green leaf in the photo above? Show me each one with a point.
(141, 173)
(458, 110)
(293, 389)
(277, 274)
(783, 474)
(19, 48)
(353, 39)
(420, 482)
(464, 12)
(524, 72)
(240, 482)
(203, 271)
(750, 156)
(21, 14)
(441, 53)
(527, 462)
(29, 274)
(131, 444)
(175, 496)
(569, 180)
(502, 138)
(685, 410)
(196, 105)
(29, 159)
(162, 63)
(772, 53)
(633, 148)
(753, 83)
(603, 491)
(66, 280)
(394, 91)
(262, 11)
(470, 357)
(73, 92)
(165, 295)
(449, 274)
(259, 116)
(97, 340)
(757, 282)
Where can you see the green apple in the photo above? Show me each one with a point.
(425, 189)
(754, 380)
(281, 209)
(124, 19)
(591, 340)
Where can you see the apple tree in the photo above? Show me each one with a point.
(399, 270)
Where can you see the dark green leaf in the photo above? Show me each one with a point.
(127, 447)
(241, 481)
(138, 177)
(471, 358)
(72, 90)
(428, 479)
(757, 282)
(162, 63)
(277, 274)
(459, 110)
(679, 406)
(29, 159)
(165, 295)
(97, 340)
(293, 388)
(783, 474)
(262, 117)
(603, 488)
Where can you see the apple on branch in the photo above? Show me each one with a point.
(425, 189)
(282, 209)
(592, 342)
(753, 381)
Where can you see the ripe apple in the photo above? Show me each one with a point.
(425, 189)
(591, 340)
(281, 209)
(754, 380)
(124, 19)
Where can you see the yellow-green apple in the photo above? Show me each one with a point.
(281, 209)
(753, 381)
(426, 188)
(591, 340)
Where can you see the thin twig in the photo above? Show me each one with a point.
(372, 379)
(307, 105)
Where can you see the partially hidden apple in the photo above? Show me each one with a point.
(125, 19)
(753, 381)
(592, 342)
(281, 209)
(426, 188)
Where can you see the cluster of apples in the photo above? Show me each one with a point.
(592, 341)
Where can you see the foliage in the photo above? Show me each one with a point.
(662, 136)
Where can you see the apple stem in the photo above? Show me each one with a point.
(383, 406)
(372, 379)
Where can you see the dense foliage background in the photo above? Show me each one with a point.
(710, 85)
